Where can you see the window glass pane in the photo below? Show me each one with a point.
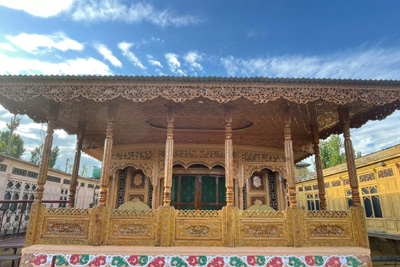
(312, 205)
(221, 190)
(377, 206)
(350, 202)
(187, 188)
(208, 189)
(188, 207)
(308, 205)
(368, 207)
(365, 190)
(317, 204)
(374, 190)
(174, 190)
(208, 207)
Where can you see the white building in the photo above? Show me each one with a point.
(18, 180)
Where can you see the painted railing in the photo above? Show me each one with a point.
(14, 215)
(169, 227)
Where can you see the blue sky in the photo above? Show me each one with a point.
(321, 39)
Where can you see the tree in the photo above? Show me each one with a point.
(17, 144)
(331, 152)
(12, 126)
(55, 152)
(84, 171)
(36, 155)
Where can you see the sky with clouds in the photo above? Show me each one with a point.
(315, 39)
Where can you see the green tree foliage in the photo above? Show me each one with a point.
(332, 152)
(12, 126)
(17, 144)
(36, 155)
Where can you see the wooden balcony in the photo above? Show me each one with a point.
(167, 227)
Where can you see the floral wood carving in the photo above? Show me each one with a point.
(136, 155)
(197, 154)
(61, 89)
(328, 230)
(132, 229)
(147, 168)
(258, 157)
(249, 169)
(264, 230)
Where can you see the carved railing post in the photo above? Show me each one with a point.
(106, 164)
(155, 182)
(289, 159)
(169, 157)
(351, 164)
(318, 165)
(75, 170)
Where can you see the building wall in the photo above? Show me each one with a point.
(18, 180)
(379, 184)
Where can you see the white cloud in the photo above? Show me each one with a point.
(125, 48)
(38, 8)
(32, 43)
(360, 63)
(107, 54)
(114, 10)
(154, 62)
(7, 47)
(192, 58)
(174, 64)
(79, 66)
(61, 133)
(377, 135)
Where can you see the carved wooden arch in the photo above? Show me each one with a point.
(248, 169)
(146, 168)
(209, 164)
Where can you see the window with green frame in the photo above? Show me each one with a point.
(372, 204)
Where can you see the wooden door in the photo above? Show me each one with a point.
(205, 192)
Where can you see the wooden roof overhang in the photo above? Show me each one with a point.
(257, 106)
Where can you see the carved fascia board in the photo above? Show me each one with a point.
(133, 155)
(20, 89)
(147, 168)
(249, 169)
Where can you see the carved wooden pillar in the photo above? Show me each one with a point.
(77, 160)
(318, 165)
(351, 164)
(228, 157)
(280, 190)
(106, 163)
(154, 202)
(48, 142)
(169, 157)
(289, 158)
